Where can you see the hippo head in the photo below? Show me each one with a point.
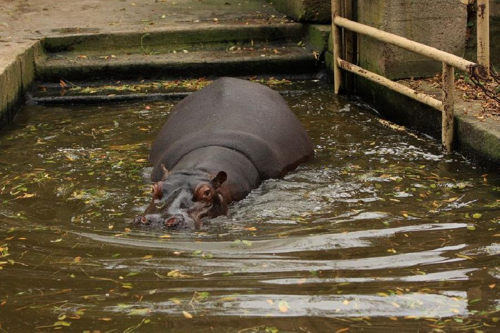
(184, 199)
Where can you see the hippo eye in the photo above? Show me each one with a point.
(203, 192)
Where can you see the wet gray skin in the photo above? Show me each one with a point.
(184, 200)
(378, 233)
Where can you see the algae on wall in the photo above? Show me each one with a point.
(438, 23)
(471, 51)
(317, 11)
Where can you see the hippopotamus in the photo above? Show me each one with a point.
(217, 145)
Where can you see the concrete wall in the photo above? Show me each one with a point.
(495, 33)
(438, 23)
(17, 72)
(471, 47)
(317, 11)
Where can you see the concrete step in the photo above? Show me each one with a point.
(234, 50)
(272, 59)
(168, 39)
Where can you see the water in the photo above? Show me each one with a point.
(378, 233)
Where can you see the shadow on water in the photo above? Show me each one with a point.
(378, 232)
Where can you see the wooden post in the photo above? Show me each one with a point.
(336, 37)
(483, 34)
(448, 107)
(348, 45)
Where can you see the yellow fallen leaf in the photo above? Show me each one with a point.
(187, 314)
(283, 306)
(26, 195)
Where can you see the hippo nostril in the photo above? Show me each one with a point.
(171, 222)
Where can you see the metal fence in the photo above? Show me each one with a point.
(449, 61)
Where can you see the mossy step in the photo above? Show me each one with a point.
(173, 38)
(272, 59)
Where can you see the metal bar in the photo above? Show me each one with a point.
(348, 45)
(402, 89)
(410, 45)
(336, 37)
(448, 107)
(483, 34)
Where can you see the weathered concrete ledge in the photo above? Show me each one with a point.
(477, 140)
(291, 60)
(171, 38)
(317, 11)
(17, 73)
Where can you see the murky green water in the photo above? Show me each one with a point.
(377, 233)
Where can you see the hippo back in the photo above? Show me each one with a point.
(240, 115)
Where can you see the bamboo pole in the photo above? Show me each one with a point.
(410, 45)
(448, 107)
(336, 37)
(483, 34)
(398, 87)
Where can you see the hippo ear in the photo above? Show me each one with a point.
(165, 172)
(219, 179)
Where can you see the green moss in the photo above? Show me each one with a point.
(318, 36)
(318, 11)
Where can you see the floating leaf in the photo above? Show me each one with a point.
(202, 295)
(62, 323)
(236, 242)
(125, 147)
(187, 315)
(283, 306)
(139, 312)
(176, 300)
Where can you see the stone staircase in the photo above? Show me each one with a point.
(181, 51)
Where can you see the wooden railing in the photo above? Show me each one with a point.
(449, 61)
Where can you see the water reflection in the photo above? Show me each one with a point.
(377, 231)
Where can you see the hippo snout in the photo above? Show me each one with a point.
(149, 220)
(139, 220)
(174, 221)
(152, 219)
